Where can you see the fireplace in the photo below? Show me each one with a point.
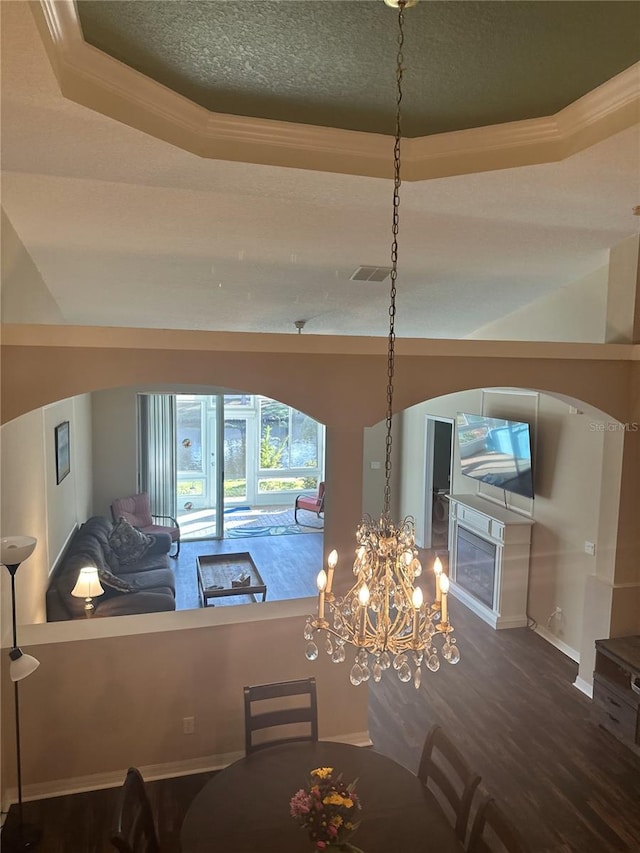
(489, 560)
(476, 566)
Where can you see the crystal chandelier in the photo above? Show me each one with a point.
(384, 615)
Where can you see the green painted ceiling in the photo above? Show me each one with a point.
(332, 62)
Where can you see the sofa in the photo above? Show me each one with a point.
(133, 582)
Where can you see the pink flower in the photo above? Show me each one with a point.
(320, 845)
(299, 805)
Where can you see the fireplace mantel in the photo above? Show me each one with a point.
(494, 585)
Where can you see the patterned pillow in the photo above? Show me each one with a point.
(128, 544)
(107, 578)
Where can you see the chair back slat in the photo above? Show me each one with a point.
(260, 719)
(133, 829)
(444, 767)
(493, 832)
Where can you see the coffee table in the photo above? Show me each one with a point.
(217, 571)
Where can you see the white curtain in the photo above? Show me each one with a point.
(157, 451)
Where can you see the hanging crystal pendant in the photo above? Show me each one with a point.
(404, 672)
(355, 676)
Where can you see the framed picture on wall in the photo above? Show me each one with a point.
(63, 455)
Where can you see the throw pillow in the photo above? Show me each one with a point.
(128, 543)
(107, 578)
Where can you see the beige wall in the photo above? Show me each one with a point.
(98, 704)
(568, 466)
(373, 479)
(576, 312)
(337, 381)
(114, 447)
(623, 296)
(24, 295)
(34, 504)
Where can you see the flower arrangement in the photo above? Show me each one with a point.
(328, 809)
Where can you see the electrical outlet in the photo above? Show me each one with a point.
(375, 466)
(188, 725)
(590, 548)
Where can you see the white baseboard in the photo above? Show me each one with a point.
(584, 686)
(150, 773)
(489, 616)
(551, 638)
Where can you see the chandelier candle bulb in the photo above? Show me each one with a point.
(363, 598)
(444, 588)
(322, 584)
(437, 570)
(332, 562)
(416, 600)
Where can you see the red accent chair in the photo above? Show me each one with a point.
(312, 503)
(136, 509)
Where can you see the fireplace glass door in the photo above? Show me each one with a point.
(476, 566)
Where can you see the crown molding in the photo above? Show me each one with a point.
(95, 80)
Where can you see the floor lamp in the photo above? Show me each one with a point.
(14, 550)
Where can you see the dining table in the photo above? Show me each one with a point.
(245, 807)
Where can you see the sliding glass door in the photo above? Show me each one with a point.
(199, 475)
(241, 450)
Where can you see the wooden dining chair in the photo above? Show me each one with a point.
(134, 830)
(493, 832)
(443, 768)
(270, 707)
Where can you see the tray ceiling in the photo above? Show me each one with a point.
(469, 64)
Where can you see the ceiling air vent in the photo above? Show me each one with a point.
(370, 274)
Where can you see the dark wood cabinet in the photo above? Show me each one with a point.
(616, 688)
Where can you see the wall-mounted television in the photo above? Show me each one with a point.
(496, 451)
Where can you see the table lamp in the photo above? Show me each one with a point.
(88, 586)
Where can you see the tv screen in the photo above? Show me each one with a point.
(496, 451)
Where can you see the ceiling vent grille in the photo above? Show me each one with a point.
(370, 274)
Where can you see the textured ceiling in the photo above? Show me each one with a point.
(128, 230)
(331, 62)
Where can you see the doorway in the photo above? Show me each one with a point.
(438, 472)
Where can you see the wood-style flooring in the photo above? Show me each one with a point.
(509, 705)
(289, 565)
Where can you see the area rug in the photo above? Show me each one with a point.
(268, 523)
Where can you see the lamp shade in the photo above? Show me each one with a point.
(88, 584)
(21, 665)
(15, 549)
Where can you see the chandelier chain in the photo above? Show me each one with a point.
(394, 259)
(384, 615)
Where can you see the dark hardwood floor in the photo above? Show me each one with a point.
(509, 705)
(289, 565)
